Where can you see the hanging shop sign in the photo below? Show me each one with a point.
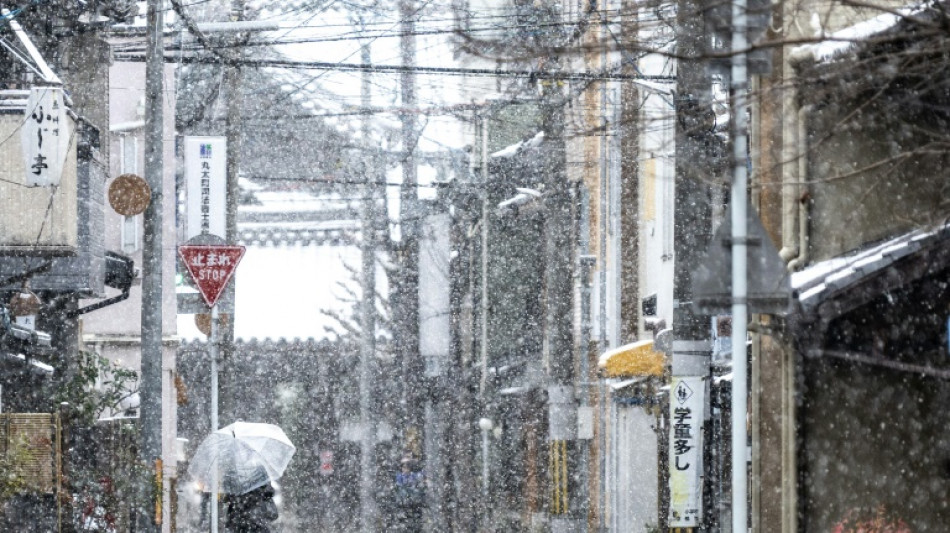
(129, 195)
(687, 401)
(206, 185)
(45, 136)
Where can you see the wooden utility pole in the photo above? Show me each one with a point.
(150, 388)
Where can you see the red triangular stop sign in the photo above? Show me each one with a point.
(211, 266)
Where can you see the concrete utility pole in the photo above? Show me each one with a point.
(150, 388)
(233, 131)
(691, 211)
(407, 319)
(368, 317)
(233, 78)
(567, 511)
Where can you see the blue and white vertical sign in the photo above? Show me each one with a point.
(45, 136)
(687, 404)
(206, 185)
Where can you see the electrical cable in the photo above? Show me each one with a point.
(397, 69)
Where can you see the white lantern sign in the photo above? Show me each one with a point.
(45, 136)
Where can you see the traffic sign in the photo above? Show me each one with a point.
(767, 284)
(326, 463)
(211, 267)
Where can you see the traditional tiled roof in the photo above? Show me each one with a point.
(827, 280)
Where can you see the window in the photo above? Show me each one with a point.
(128, 146)
(130, 151)
(130, 234)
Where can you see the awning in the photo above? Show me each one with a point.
(635, 359)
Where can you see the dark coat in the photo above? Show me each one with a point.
(251, 512)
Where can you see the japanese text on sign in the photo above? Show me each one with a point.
(211, 267)
(45, 136)
(686, 416)
(206, 185)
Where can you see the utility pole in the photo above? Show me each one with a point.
(692, 219)
(408, 286)
(150, 388)
(233, 78)
(233, 131)
(568, 513)
(368, 317)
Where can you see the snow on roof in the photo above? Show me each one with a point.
(282, 291)
(514, 149)
(297, 202)
(660, 87)
(621, 383)
(524, 196)
(839, 43)
(813, 283)
(248, 185)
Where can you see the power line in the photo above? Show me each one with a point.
(361, 34)
(398, 69)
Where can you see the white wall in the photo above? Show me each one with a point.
(632, 470)
(657, 171)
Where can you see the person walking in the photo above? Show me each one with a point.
(409, 497)
(251, 512)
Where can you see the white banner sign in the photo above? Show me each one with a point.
(45, 136)
(206, 185)
(687, 402)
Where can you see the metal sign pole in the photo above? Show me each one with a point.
(739, 270)
(213, 353)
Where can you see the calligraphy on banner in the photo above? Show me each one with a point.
(45, 136)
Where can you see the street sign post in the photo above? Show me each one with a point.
(211, 267)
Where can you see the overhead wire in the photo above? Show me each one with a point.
(609, 74)
(362, 34)
(346, 69)
(371, 40)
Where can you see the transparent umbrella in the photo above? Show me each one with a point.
(244, 456)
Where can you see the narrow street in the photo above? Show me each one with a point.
(474, 266)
